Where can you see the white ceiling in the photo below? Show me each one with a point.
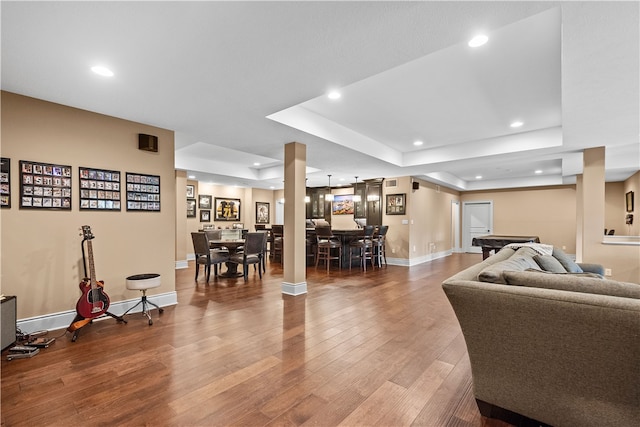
(238, 80)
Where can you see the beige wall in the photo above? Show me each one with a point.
(248, 198)
(633, 184)
(41, 253)
(614, 208)
(430, 221)
(547, 212)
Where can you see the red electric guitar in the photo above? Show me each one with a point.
(93, 302)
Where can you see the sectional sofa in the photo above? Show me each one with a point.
(549, 340)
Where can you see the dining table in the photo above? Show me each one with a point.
(232, 245)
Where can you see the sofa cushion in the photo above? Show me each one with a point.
(493, 273)
(549, 263)
(573, 282)
(566, 261)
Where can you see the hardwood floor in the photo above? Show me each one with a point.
(381, 347)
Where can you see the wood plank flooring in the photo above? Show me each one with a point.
(374, 348)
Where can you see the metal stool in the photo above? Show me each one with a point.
(142, 282)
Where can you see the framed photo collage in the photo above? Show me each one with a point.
(49, 186)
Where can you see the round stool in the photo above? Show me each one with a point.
(142, 282)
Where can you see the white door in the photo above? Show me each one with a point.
(279, 212)
(477, 221)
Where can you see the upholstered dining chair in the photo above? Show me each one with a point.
(364, 247)
(253, 253)
(326, 242)
(207, 256)
(277, 241)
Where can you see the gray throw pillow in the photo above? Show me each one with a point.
(566, 262)
(493, 273)
(549, 263)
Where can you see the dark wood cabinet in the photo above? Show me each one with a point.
(369, 207)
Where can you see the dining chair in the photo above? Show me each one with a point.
(325, 243)
(277, 241)
(207, 256)
(364, 247)
(253, 253)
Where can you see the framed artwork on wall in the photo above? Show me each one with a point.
(191, 191)
(191, 208)
(262, 213)
(204, 201)
(143, 192)
(396, 204)
(5, 183)
(99, 189)
(629, 201)
(227, 209)
(205, 215)
(44, 186)
(342, 205)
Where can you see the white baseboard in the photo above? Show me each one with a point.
(404, 262)
(182, 264)
(294, 288)
(63, 319)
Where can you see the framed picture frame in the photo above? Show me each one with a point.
(205, 215)
(262, 213)
(5, 183)
(191, 192)
(191, 208)
(629, 201)
(396, 204)
(45, 186)
(143, 192)
(204, 201)
(99, 189)
(227, 209)
(342, 205)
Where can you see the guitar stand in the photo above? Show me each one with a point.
(79, 322)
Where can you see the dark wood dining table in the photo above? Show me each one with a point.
(232, 245)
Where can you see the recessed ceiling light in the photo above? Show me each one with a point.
(417, 143)
(256, 164)
(272, 187)
(103, 71)
(334, 94)
(516, 124)
(478, 40)
(192, 177)
(478, 176)
(538, 171)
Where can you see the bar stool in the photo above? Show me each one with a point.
(326, 242)
(364, 246)
(142, 282)
(379, 245)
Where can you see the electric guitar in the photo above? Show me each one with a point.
(93, 302)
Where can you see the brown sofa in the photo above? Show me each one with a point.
(560, 348)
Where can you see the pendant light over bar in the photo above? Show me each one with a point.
(356, 196)
(329, 196)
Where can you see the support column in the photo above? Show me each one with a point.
(593, 204)
(295, 165)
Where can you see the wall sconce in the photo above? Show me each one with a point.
(329, 197)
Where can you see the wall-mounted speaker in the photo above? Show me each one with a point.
(148, 142)
(416, 185)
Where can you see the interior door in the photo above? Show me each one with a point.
(478, 221)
